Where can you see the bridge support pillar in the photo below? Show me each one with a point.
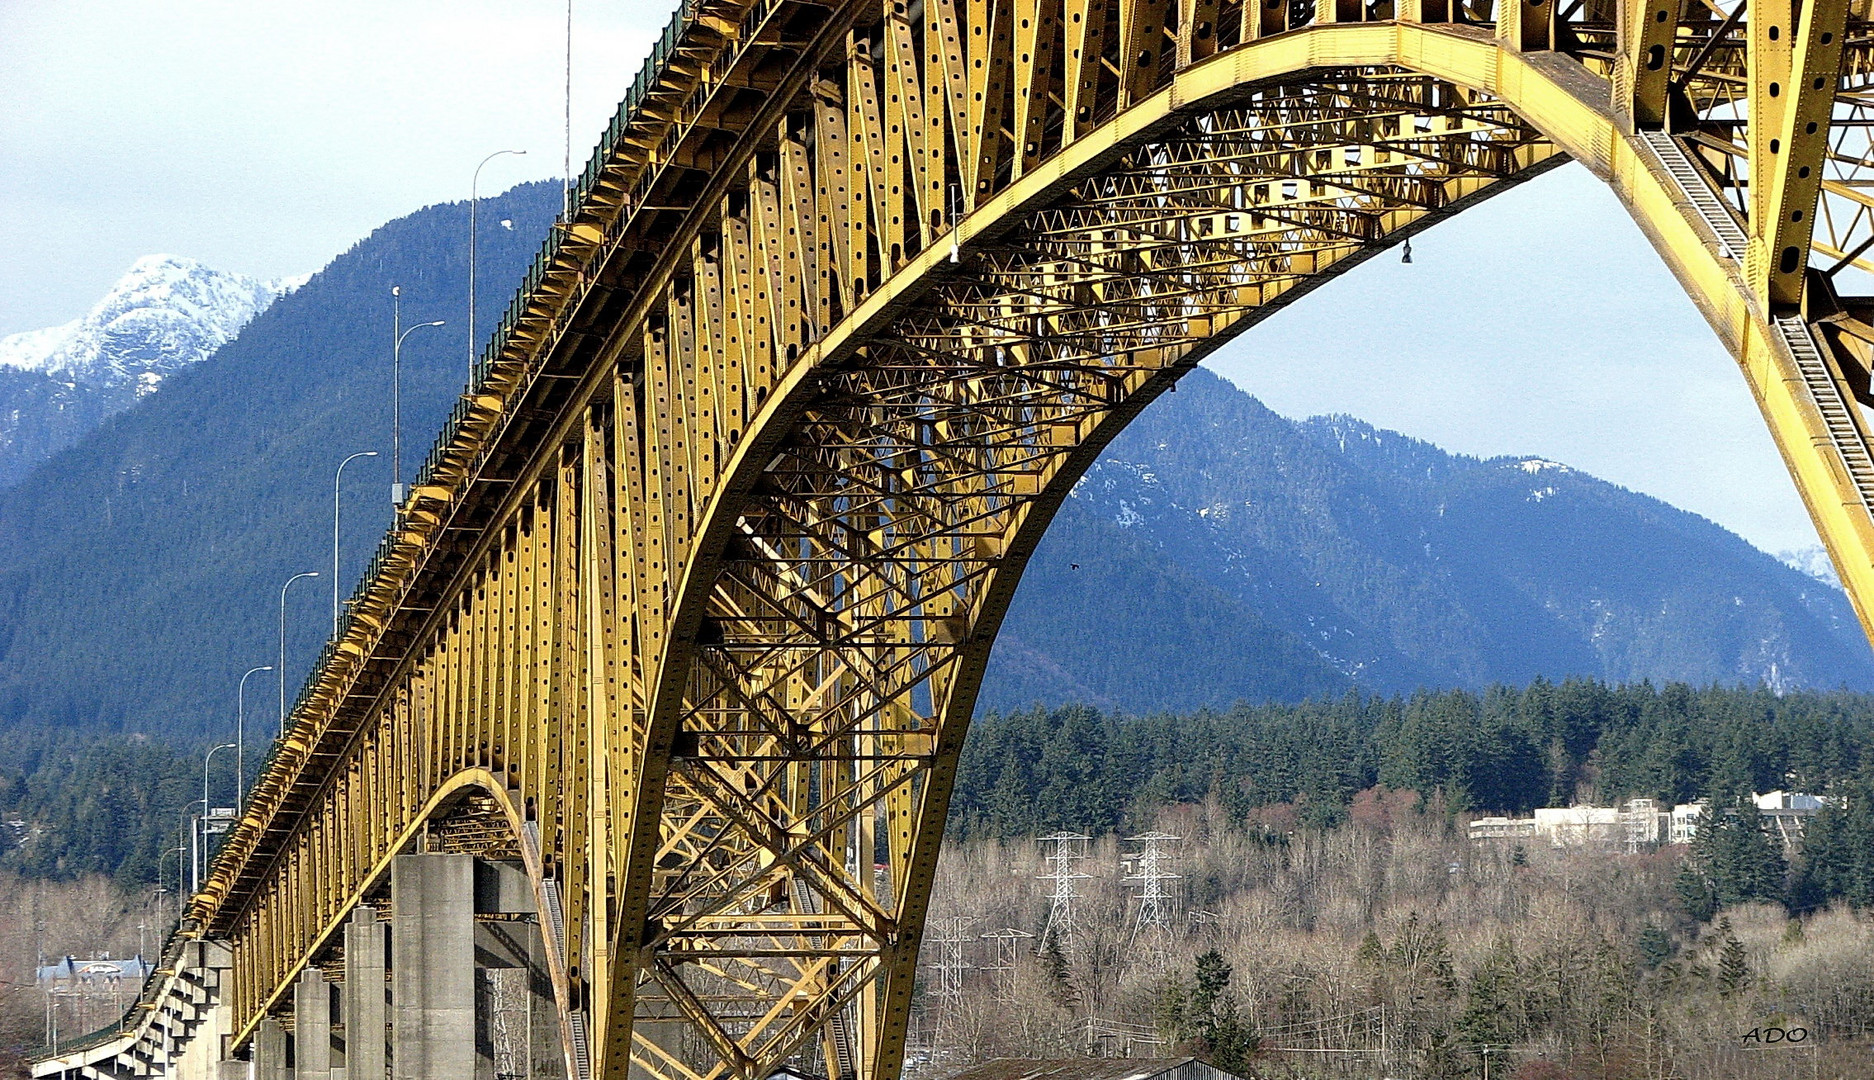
(312, 1026)
(432, 900)
(517, 1025)
(270, 1051)
(363, 1008)
(188, 1041)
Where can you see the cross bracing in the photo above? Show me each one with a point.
(694, 593)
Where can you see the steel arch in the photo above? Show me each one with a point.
(703, 574)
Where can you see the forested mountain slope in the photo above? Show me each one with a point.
(1219, 551)
(140, 570)
(1216, 552)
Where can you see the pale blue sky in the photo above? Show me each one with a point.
(268, 138)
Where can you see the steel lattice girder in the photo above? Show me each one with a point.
(700, 585)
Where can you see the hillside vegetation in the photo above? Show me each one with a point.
(1505, 750)
(1390, 946)
(140, 569)
(107, 803)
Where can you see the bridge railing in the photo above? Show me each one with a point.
(655, 67)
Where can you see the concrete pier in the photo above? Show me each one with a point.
(270, 1060)
(456, 983)
(517, 1023)
(363, 1009)
(312, 1026)
(432, 899)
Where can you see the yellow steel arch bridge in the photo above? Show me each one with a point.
(682, 626)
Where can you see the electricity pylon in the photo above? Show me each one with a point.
(1001, 966)
(1064, 849)
(1152, 884)
(947, 937)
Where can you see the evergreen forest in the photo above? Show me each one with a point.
(1505, 750)
(81, 803)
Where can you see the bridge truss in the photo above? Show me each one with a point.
(689, 608)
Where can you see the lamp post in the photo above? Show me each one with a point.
(207, 812)
(240, 734)
(182, 854)
(281, 669)
(474, 218)
(336, 476)
(162, 882)
(396, 391)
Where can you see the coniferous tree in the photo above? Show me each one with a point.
(1493, 1009)
(1212, 1018)
(1695, 891)
(1838, 850)
(1733, 970)
(1737, 855)
(1060, 976)
(1655, 947)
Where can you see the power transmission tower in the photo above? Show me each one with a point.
(1152, 882)
(950, 934)
(1063, 850)
(1001, 966)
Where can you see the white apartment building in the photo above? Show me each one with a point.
(1643, 822)
(1684, 823)
(1568, 826)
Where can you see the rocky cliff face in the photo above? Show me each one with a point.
(167, 313)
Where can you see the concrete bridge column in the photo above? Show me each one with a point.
(191, 1040)
(517, 1020)
(312, 1026)
(363, 1010)
(270, 1061)
(432, 899)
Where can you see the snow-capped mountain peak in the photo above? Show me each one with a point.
(1813, 561)
(168, 312)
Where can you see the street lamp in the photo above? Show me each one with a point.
(474, 206)
(240, 734)
(162, 882)
(182, 854)
(207, 807)
(396, 391)
(335, 479)
(282, 666)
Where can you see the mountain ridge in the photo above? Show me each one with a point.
(165, 314)
(1219, 550)
(1393, 565)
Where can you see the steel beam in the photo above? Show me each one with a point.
(688, 613)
